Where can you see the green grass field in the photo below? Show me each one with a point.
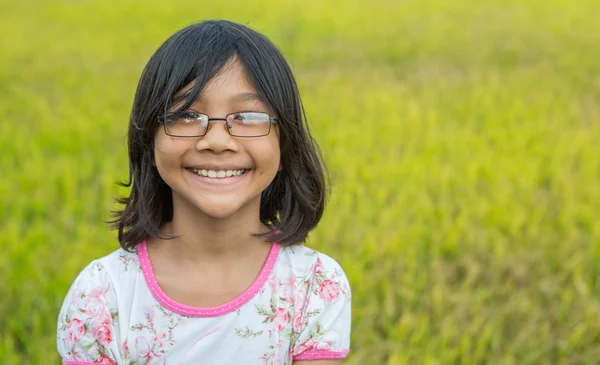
(462, 138)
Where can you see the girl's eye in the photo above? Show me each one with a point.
(189, 117)
(251, 117)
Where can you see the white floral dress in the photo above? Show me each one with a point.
(116, 313)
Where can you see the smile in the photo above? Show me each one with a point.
(217, 174)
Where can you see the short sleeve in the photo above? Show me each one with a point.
(87, 321)
(323, 329)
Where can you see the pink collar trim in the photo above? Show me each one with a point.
(162, 298)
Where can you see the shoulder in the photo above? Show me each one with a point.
(93, 282)
(309, 264)
(113, 267)
(98, 279)
(300, 255)
(120, 261)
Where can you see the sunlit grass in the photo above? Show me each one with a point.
(461, 137)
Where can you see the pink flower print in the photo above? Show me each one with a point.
(281, 318)
(97, 293)
(159, 339)
(272, 283)
(318, 267)
(142, 346)
(101, 325)
(298, 323)
(103, 334)
(299, 302)
(328, 290)
(93, 308)
(324, 345)
(289, 286)
(310, 344)
(105, 360)
(76, 330)
(105, 317)
(124, 347)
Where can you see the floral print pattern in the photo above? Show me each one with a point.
(154, 336)
(129, 260)
(302, 310)
(288, 310)
(87, 330)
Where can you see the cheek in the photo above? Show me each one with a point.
(161, 158)
(264, 152)
(166, 148)
(168, 156)
(271, 155)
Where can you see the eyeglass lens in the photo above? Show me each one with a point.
(244, 124)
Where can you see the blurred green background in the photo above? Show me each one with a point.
(462, 137)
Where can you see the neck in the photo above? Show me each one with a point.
(201, 238)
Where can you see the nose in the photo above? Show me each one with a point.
(217, 137)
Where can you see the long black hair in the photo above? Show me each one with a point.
(294, 201)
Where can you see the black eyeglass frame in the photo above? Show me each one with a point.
(168, 118)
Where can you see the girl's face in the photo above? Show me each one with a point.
(219, 153)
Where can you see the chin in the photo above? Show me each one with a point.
(220, 213)
(224, 206)
(219, 210)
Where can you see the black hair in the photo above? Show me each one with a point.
(294, 201)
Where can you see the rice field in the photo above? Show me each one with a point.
(462, 140)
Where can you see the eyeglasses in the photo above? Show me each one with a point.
(240, 124)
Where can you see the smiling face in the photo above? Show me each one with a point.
(217, 174)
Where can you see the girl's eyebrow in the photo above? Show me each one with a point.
(247, 96)
(240, 97)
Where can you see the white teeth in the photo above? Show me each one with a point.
(221, 174)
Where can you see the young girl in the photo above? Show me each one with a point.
(226, 183)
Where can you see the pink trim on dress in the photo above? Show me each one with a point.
(77, 362)
(187, 310)
(318, 355)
